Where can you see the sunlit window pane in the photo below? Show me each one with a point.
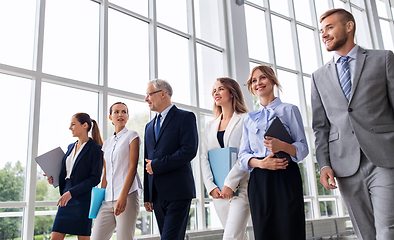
(386, 34)
(140, 7)
(173, 65)
(257, 34)
(381, 7)
(283, 42)
(258, 2)
(58, 105)
(304, 176)
(280, 6)
(210, 67)
(43, 222)
(166, 10)
(303, 11)
(289, 84)
(359, 3)
(321, 7)
(207, 21)
(15, 122)
(17, 20)
(363, 35)
(71, 41)
(309, 60)
(328, 208)
(128, 53)
(307, 90)
(339, 4)
(11, 227)
(308, 210)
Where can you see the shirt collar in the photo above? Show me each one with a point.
(123, 131)
(352, 54)
(276, 102)
(165, 112)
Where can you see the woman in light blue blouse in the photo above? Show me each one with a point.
(275, 185)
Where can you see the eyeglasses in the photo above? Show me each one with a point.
(151, 93)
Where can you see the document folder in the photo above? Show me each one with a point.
(221, 161)
(278, 130)
(51, 164)
(97, 198)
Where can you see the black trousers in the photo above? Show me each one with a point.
(277, 203)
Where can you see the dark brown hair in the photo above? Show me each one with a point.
(344, 16)
(92, 124)
(110, 109)
(238, 98)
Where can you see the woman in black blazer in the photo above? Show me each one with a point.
(81, 170)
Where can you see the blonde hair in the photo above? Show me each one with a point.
(238, 103)
(268, 72)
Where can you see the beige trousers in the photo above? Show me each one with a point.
(106, 222)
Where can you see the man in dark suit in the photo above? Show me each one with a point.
(171, 142)
(353, 121)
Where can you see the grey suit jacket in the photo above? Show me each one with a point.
(366, 122)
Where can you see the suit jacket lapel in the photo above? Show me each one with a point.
(170, 114)
(334, 78)
(80, 155)
(214, 132)
(230, 127)
(361, 55)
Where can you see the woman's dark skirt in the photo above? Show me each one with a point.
(73, 218)
(277, 203)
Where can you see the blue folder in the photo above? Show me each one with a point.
(221, 161)
(97, 198)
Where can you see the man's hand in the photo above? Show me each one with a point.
(226, 192)
(149, 166)
(325, 174)
(148, 206)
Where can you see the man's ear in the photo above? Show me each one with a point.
(349, 26)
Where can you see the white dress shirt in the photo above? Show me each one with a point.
(116, 154)
(71, 159)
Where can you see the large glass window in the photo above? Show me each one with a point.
(256, 33)
(71, 41)
(16, 43)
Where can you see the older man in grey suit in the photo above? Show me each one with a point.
(353, 121)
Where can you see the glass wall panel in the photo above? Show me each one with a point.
(280, 6)
(210, 67)
(363, 35)
(304, 176)
(43, 222)
(303, 12)
(15, 104)
(307, 90)
(58, 105)
(140, 7)
(17, 22)
(359, 3)
(192, 221)
(128, 53)
(10, 227)
(339, 4)
(173, 63)
(166, 10)
(257, 34)
(381, 7)
(212, 219)
(328, 209)
(283, 42)
(306, 39)
(321, 7)
(386, 34)
(289, 93)
(258, 2)
(71, 44)
(308, 210)
(207, 21)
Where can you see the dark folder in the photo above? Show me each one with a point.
(278, 130)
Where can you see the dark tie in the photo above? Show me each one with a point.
(157, 127)
(344, 76)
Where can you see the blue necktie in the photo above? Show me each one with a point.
(157, 127)
(344, 76)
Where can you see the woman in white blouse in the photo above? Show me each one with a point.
(225, 131)
(122, 184)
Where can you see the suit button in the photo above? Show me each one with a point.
(350, 109)
(154, 150)
(353, 132)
